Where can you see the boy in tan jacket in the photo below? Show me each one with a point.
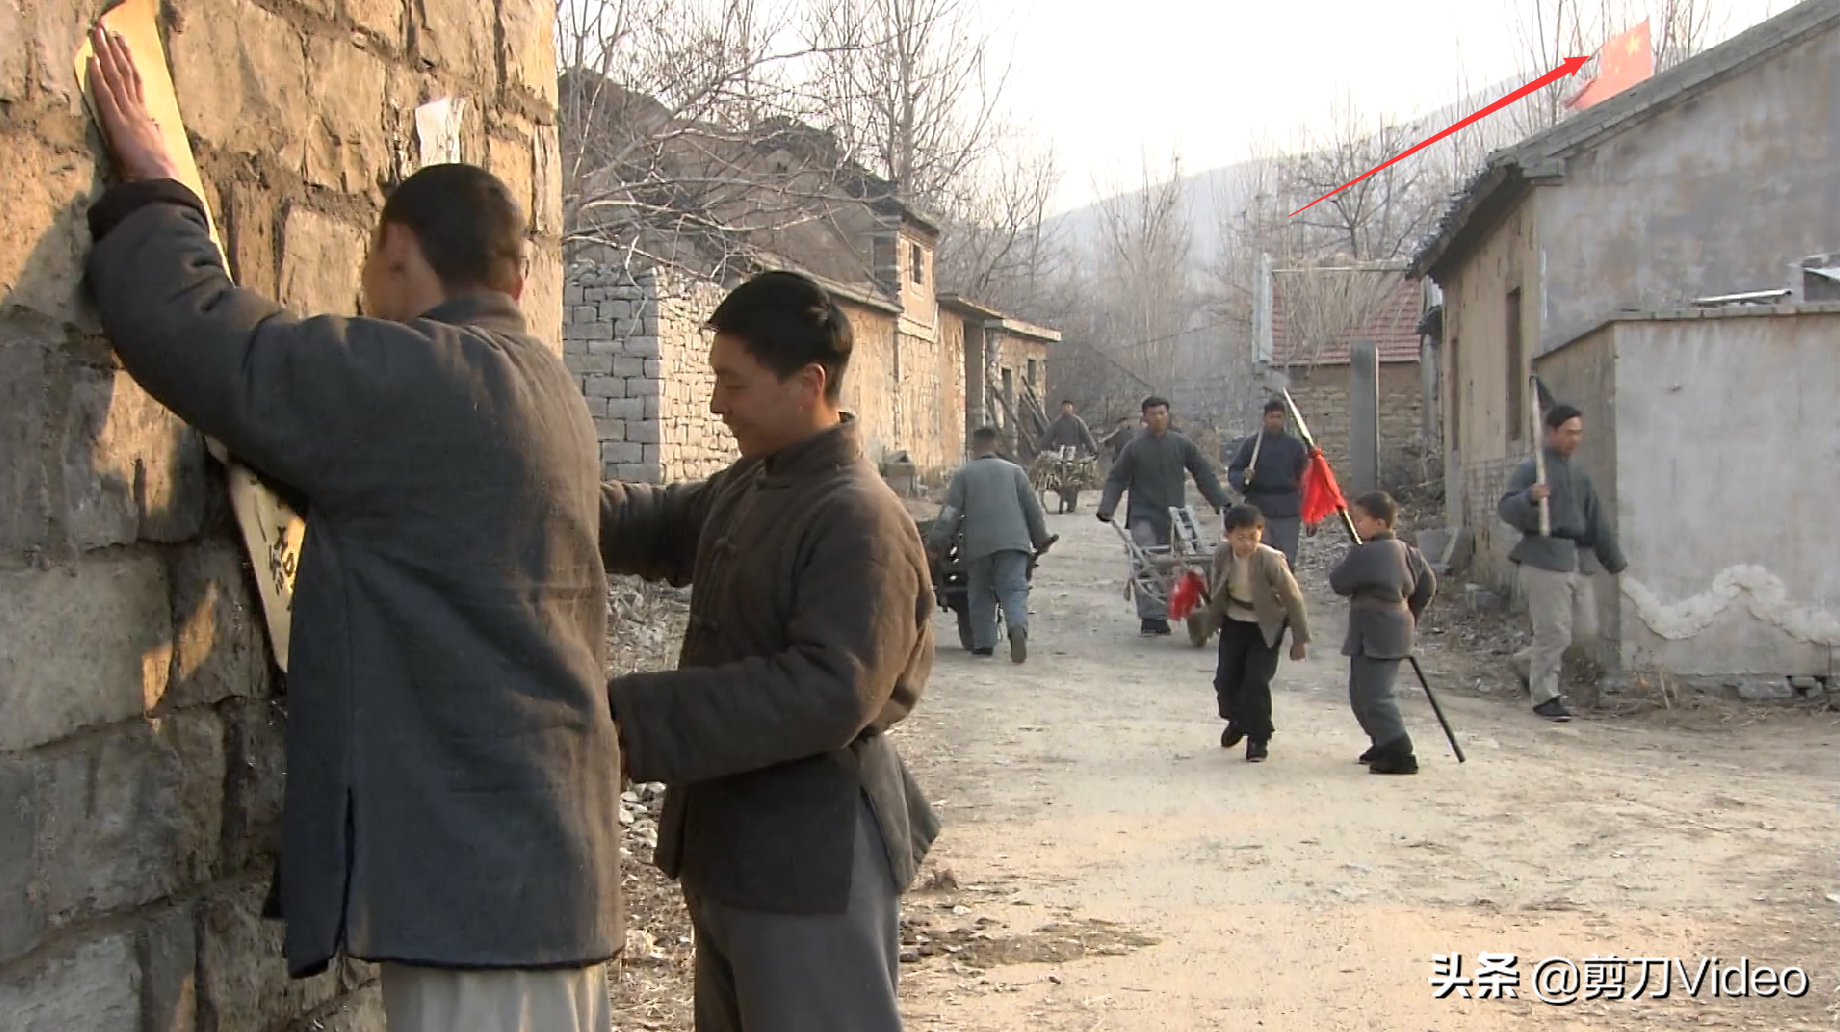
(1253, 597)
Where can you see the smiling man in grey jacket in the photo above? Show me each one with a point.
(1004, 529)
(1556, 567)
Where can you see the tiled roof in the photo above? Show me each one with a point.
(1393, 327)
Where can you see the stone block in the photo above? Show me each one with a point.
(630, 409)
(13, 53)
(248, 225)
(622, 452)
(381, 18)
(94, 986)
(606, 387)
(542, 302)
(597, 407)
(583, 365)
(654, 405)
(610, 429)
(362, 1011)
(643, 347)
(654, 367)
(219, 647)
(43, 238)
(653, 453)
(346, 148)
(242, 978)
(572, 295)
(131, 469)
(606, 346)
(169, 971)
(255, 774)
(527, 30)
(1760, 689)
(626, 327)
(25, 504)
(81, 647)
(130, 816)
(579, 314)
(458, 38)
(242, 74)
(644, 432)
(639, 472)
(546, 181)
(629, 367)
(614, 311)
(644, 387)
(22, 905)
(321, 262)
(509, 158)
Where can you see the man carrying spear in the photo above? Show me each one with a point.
(1566, 535)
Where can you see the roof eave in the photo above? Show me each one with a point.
(1495, 191)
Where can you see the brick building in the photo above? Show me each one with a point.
(141, 716)
(1316, 362)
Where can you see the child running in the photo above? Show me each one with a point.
(1254, 598)
(1388, 585)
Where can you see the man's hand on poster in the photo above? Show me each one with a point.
(132, 135)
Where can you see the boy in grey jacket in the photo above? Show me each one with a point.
(1388, 584)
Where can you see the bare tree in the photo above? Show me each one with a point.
(996, 245)
(669, 110)
(1549, 31)
(911, 87)
(1378, 217)
(1143, 273)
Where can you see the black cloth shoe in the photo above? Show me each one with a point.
(1553, 710)
(1369, 755)
(1255, 751)
(983, 653)
(1395, 757)
(1231, 736)
(1018, 646)
(1159, 628)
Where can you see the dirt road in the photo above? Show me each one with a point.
(1106, 865)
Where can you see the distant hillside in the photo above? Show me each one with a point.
(1211, 190)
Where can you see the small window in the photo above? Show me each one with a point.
(916, 262)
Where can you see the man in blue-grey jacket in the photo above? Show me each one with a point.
(1556, 568)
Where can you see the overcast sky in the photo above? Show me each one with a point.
(1107, 78)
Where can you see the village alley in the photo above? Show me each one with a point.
(1106, 865)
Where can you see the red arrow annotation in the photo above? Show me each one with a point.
(1570, 67)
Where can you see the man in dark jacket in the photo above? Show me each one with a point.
(789, 817)
(1269, 471)
(1556, 568)
(451, 801)
(1155, 468)
(1119, 437)
(1070, 431)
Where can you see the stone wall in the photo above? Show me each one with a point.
(141, 719)
(638, 345)
(1322, 395)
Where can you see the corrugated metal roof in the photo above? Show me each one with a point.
(1393, 327)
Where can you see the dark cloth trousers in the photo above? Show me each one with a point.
(1242, 677)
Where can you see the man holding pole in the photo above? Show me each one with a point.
(1556, 562)
(1269, 471)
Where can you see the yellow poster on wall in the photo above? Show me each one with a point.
(272, 531)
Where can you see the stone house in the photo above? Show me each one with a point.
(1724, 510)
(636, 332)
(1004, 372)
(141, 713)
(1714, 177)
(1318, 371)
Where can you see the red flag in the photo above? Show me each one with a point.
(1624, 61)
(1322, 496)
(1186, 596)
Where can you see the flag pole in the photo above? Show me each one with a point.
(1303, 431)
